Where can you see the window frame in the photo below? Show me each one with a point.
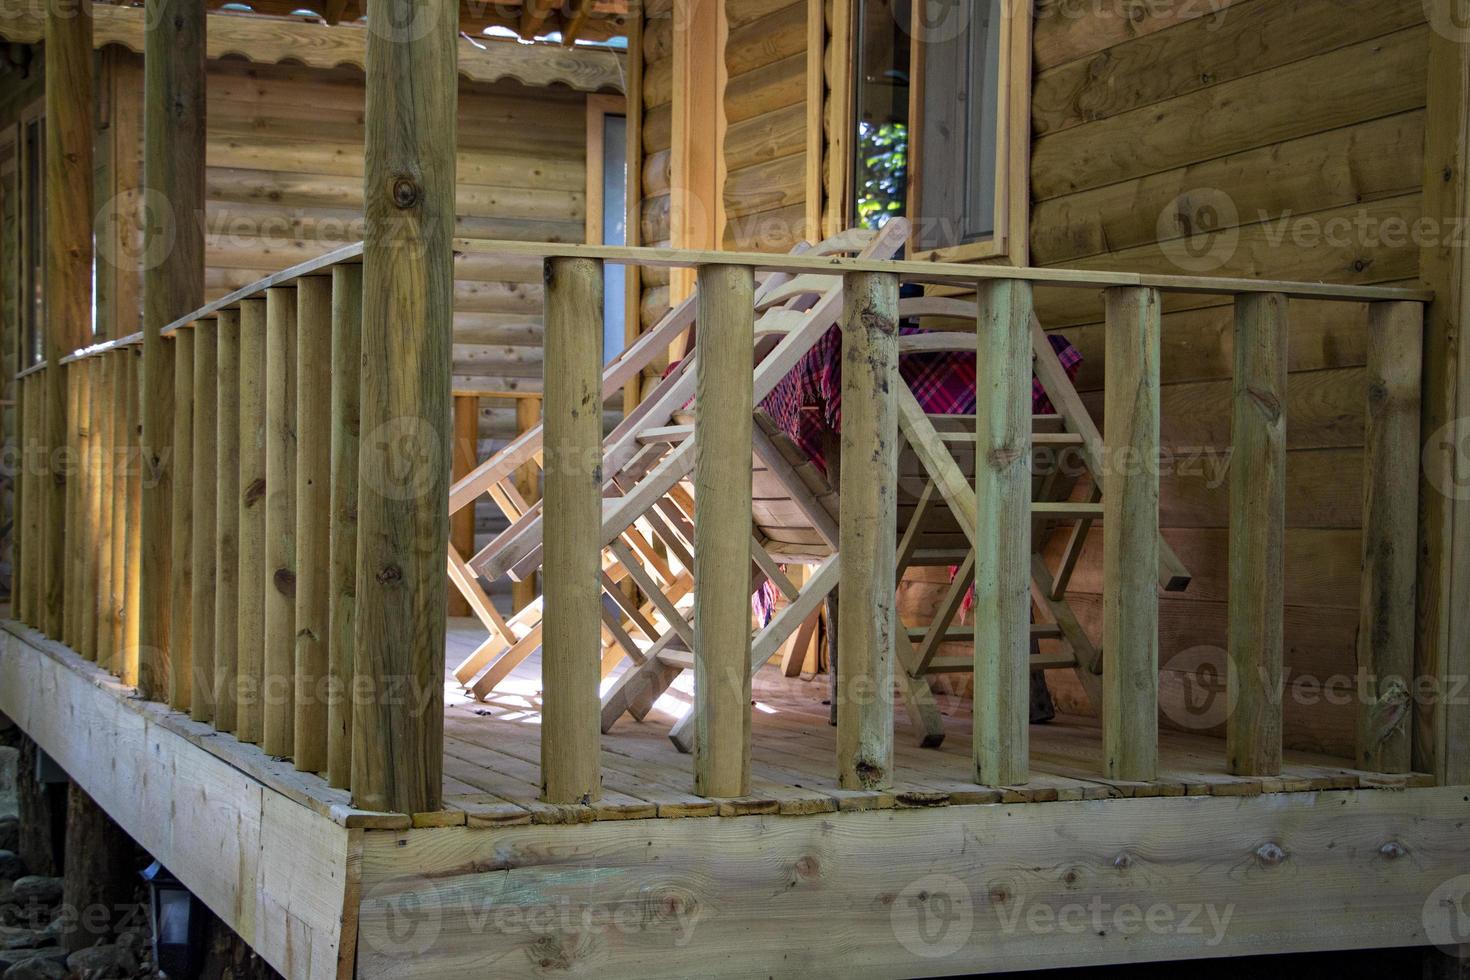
(1010, 241)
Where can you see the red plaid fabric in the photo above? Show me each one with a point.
(807, 403)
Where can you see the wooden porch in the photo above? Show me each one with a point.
(515, 886)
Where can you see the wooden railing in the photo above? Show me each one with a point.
(264, 473)
(577, 517)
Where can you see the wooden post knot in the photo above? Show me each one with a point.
(1270, 854)
(1393, 850)
(254, 491)
(389, 574)
(285, 582)
(1123, 862)
(405, 192)
(1266, 401)
(1003, 457)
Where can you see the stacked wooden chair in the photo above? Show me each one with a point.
(649, 512)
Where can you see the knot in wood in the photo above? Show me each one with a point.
(808, 867)
(389, 574)
(1123, 862)
(405, 192)
(1270, 854)
(1392, 850)
(285, 582)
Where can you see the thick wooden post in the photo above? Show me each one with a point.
(203, 579)
(313, 516)
(180, 653)
(571, 736)
(403, 493)
(867, 615)
(346, 368)
(462, 523)
(69, 112)
(278, 690)
(1386, 604)
(251, 505)
(173, 285)
(722, 452)
(1131, 535)
(227, 522)
(1003, 541)
(1257, 535)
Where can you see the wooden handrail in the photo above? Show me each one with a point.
(945, 273)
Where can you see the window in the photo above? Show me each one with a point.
(939, 96)
(607, 202)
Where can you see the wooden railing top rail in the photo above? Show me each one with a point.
(933, 273)
(322, 263)
(946, 273)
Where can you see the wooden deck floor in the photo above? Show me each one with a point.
(492, 752)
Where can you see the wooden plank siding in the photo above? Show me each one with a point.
(767, 114)
(284, 184)
(1287, 138)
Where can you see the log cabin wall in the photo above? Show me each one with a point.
(657, 59)
(284, 184)
(1296, 131)
(766, 112)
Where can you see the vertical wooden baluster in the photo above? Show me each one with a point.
(346, 382)
(280, 522)
(528, 484)
(867, 614)
(124, 522)
(132, 631)
(722, 432)
(1003, 525)
(204, 488)
(465, 456)
(1257, 533)
(181, 522)
(88, 510)
(250, 696)
(105, 455)
(407, 333)
(1386, 604)
(313, 516)
(1130, 534)
(73, 481)
(32, 580)
(174, 165)
(20, 574)
(227, 522)
(570, 730)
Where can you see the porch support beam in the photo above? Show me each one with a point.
(1386, 679)
(1002, 534)
(403, 499)
(173, 180)
(867, 615)
(1131, 535)
(722, 544)
(69, 99)
(1257, 535)
(570, 733)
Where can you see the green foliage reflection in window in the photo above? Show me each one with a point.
(882, 177)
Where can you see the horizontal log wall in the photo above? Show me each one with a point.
(284, 184)
(658, 98)
(766, 113)
(1296, 131)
